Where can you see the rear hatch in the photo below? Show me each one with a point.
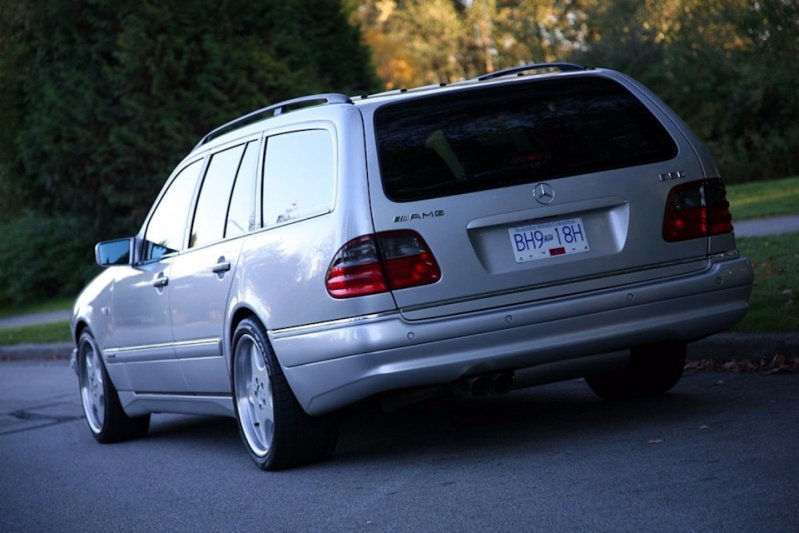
(530, 189)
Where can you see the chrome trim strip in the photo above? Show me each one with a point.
(125, 349)
(331, 323)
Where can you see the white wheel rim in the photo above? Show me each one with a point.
(254, 400)
(92, 386)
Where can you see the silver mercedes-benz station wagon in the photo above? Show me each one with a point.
(535, 224)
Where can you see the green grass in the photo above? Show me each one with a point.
(775, 296)
(56, 304)
(764, 198)
(42, 333)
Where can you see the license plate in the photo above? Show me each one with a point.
(550, 239)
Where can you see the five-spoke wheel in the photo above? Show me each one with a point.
(273, 426)
(107, 420)
(254, 395)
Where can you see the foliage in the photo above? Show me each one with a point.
(115, 93)
(758, 199)
(775, 295)
(415, 42)
(100, 99)
(724, 65)
(44, 256)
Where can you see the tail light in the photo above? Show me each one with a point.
(376, 263)
(697, 209)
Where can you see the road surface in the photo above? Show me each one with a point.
(717, 454)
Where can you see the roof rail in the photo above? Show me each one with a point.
(563, 67)
(274, 110)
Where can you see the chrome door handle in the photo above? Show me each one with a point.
(220, 267)
(161, 281)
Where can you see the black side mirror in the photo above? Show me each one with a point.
(116, 252)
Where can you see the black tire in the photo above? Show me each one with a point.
(653, 370)
(275, 430)
(101, 407)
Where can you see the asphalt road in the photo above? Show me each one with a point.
(717, 454)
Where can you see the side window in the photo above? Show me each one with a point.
(165, 230)
(209, 217)
(298, 176)
(241, 213)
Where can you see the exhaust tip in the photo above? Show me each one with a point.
(485, 384)
(503, 383)
(482, 386)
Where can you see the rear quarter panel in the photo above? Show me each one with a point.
(282, 269)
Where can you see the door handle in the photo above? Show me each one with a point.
(161, 281)
(222, 266)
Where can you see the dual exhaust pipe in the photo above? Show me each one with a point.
(486, 384)
(482, 385)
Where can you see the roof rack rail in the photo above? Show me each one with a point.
(274, 110)
(563, 67)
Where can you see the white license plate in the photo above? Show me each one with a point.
(550, 239)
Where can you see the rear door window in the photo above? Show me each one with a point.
(212, 205)
(473, 140)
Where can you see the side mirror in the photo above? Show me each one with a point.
(116, 252)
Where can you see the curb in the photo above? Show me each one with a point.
(722, 347)
(36, 352)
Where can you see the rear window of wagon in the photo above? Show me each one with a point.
(479, 139)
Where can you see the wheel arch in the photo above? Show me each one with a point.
(237, 317)
(80, 326)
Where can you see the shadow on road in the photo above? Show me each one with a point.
(539, 419)
(543, 418)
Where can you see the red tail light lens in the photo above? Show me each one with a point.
(408, 261)
(356, 270)
(374, 263)
(697, 209)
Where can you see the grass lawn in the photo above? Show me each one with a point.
(57, 304)
(55, 332)
(775, 296)
(764, 198)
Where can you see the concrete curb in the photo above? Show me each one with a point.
(721, 347)
(36, 352)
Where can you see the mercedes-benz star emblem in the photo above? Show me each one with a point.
(544, 193)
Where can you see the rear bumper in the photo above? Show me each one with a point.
(334, 364)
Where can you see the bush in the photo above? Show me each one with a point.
(44, 257)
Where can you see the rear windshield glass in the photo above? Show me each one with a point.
(496, 137)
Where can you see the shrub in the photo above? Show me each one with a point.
(44, 257)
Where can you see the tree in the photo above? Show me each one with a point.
(724, 65)
(102, 98)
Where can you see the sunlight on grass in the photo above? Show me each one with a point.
(42, 333)
(764, 198)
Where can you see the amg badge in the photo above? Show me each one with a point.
(419, 216)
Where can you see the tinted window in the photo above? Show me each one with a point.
(298, 176)
(166, 227)
(500, 136)
(209, 217)
(241, 214)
